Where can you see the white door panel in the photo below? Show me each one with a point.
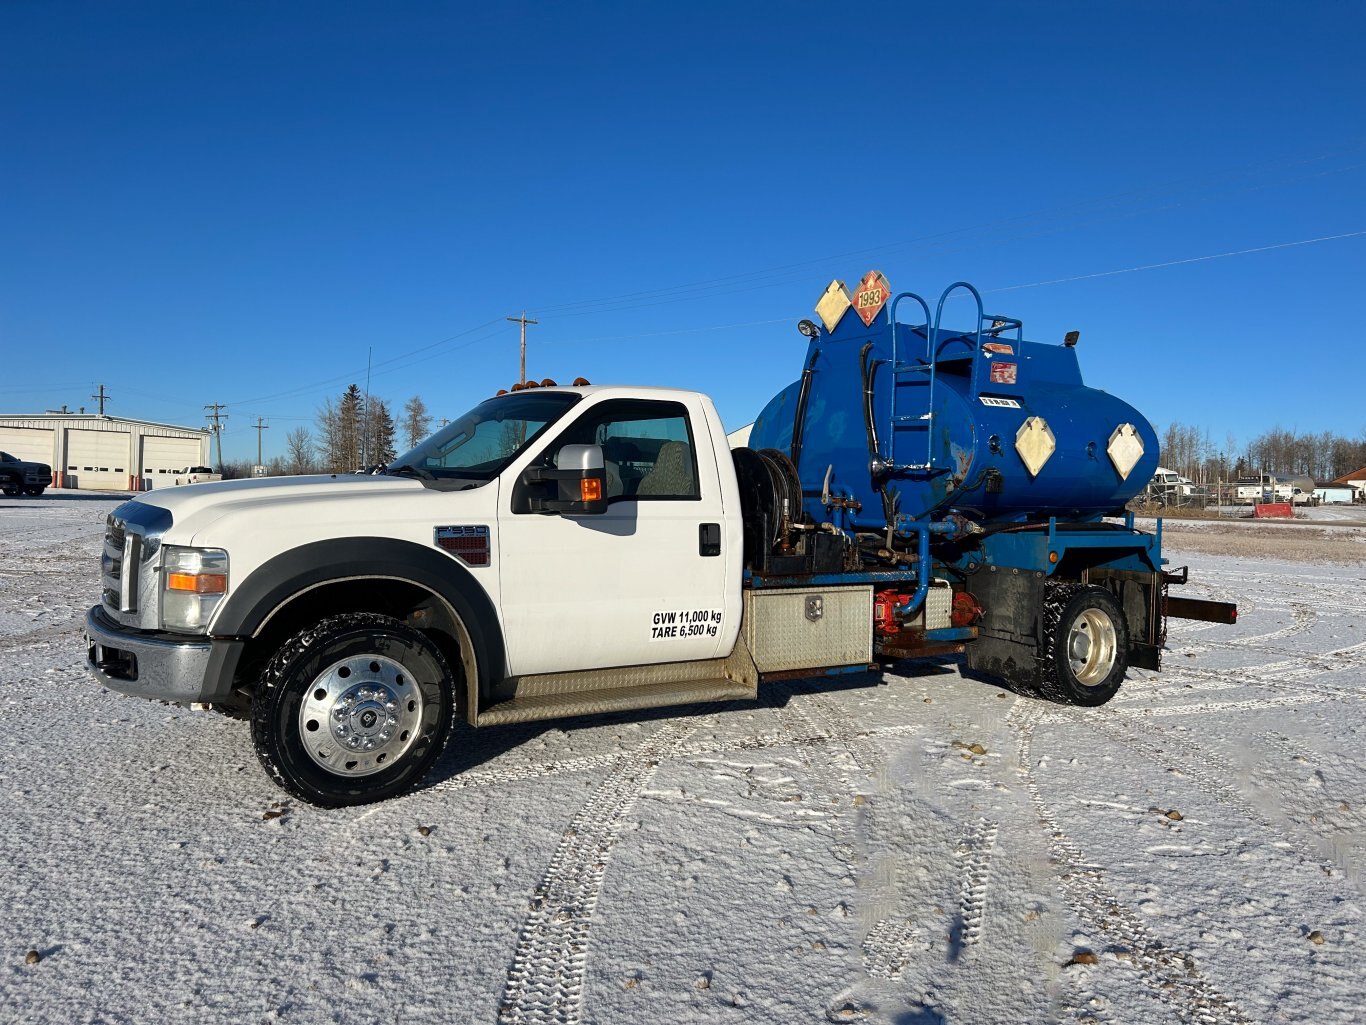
(628, 586)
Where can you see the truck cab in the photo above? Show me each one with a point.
(19, 477)
(548, 536)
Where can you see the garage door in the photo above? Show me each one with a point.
(32, 444)
(98, 460)
(165, 459)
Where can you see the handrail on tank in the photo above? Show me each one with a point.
(896, 365)
(977, 346)
(1005, 322)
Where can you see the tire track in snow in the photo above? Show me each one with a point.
(499, 774)
(976, 853)
(1302, 618)
(1295, 752)
(1193, 764)
(801, 731)
(1173, 976)
(1294, 673)
(546, 978)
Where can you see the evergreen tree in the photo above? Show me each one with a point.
(379, 447)
(350, 418)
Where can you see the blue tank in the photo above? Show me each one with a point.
(903, 423)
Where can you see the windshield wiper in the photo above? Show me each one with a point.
(408, 468)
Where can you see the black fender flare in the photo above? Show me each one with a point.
(278, 580)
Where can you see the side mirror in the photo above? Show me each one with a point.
(576, 487)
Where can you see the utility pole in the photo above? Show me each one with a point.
(218, 419)
(101, 396)
(259, 428)
(524, 322)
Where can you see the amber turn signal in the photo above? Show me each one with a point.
(198, 583)
(590, 490)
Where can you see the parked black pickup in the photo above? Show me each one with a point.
(18, 477)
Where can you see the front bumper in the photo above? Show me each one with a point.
(159, 666)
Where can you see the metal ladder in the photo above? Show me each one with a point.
(921, 370)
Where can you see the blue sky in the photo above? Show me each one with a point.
(235, 202)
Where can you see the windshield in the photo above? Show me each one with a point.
(479, 444)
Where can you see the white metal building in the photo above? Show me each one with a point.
(105, 452)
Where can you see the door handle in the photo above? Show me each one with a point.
(709, 539)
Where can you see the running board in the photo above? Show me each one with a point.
(615, 699)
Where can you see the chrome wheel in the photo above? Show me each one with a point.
(1092, 646)
(353, 709)
(360, 715)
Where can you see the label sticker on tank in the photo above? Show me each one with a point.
(1003, 373)
(681, 624)
(992, 400)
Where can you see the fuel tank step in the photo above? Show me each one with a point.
(531, 707)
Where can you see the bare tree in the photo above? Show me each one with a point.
(417, 422)
(299, 456)
(329, 432)
(1185, 449)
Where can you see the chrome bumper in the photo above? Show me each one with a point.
(150, 666)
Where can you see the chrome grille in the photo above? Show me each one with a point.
(119, 566)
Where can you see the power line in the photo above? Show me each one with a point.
(1177, 263)
(769, 277)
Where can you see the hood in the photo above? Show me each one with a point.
(193, 506)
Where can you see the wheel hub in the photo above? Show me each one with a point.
(1092, 646)
(360, 715)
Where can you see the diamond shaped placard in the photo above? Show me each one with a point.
(1125, 449)
(833, 305)
(1035, 443)
(871, 295)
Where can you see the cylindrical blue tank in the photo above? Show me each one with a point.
(996, 428)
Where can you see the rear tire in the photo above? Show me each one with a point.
(353, 710)
(10, 490)
(1085, 651)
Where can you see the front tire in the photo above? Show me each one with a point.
(353, 710)
(33, 492)
(1085, 650)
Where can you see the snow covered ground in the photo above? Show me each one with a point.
(928, 850)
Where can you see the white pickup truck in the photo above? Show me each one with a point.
(504, 570)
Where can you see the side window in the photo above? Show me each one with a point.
(647, 448)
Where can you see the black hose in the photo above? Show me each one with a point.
(799, 419)
(868, 373)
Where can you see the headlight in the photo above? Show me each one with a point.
(193, 582)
